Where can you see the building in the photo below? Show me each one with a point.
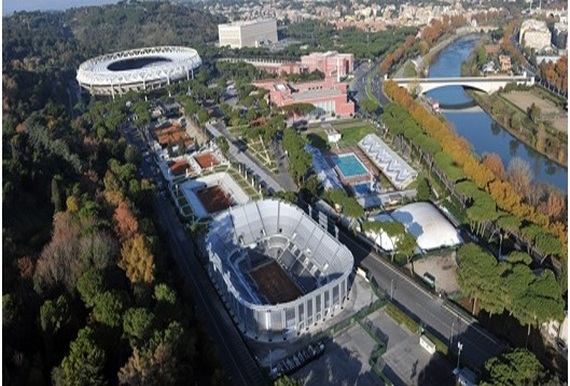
(535, 35)
(327, 95)
(248, 33)
(330, 63)
(280, 274)
(560, 36)
(505, 63)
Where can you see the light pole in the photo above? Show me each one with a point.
(392, 289)
(459, 347)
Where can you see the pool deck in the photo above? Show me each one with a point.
(361, 157)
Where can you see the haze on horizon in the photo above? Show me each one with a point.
(10, 6)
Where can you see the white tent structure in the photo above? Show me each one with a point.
(429, 227)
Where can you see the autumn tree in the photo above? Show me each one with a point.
(126, 223)
(137, 260)
(494, 163)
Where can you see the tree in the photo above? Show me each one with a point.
(108, 308)
(56, 197)
(223, 145)
(126, 223)
(286, 381)
(494, 163)
(84, 363)
(478, 277)
(520, 175)
(132, 154)
(518, 368)
(137, 260)
(423, 189)
(89, 285)
(157, 363)
(137, 325)
(533, 113)
(54, 315)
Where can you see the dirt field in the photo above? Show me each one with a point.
(274, 284)
(524, 99)
(214, 199)
(442, 268)
(206, 160)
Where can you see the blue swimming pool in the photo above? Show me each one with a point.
(349, 165)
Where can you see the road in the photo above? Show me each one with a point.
(430, 311)
(232, 350)
(253, 166)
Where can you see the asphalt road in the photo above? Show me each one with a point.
(430, 311)
(232, 350)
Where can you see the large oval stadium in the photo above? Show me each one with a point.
(139, 69)
(277, 270)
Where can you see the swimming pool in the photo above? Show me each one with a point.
(349, 165)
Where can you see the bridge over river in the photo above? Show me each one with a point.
(488, 84)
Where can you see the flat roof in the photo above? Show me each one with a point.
(241, 23)
(312, 94)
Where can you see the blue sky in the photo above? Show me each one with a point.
(9, 6)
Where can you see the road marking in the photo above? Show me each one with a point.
(471, 322)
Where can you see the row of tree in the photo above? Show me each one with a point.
(509, 286)
(456, 152)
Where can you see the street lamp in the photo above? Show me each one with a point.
(459, 347)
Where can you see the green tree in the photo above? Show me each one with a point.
(84, 363)
(132, 154)
(533, 113)
(518, 368)
(108, 308)
(286, 381)
(137, 324)
(56, 195)
(54, 315)
(89, 285)
(223, 145)
(423, 189)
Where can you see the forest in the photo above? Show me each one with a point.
(90, 296)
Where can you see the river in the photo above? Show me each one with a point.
(475, 125)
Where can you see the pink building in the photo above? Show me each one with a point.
(331, 63)
(327, 95)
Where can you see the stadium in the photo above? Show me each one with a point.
(277, 270)
(137, 70)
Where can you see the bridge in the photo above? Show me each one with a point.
(487, 84)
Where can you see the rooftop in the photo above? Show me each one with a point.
(314, 94)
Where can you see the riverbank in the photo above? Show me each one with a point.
(557, 152)
(484, 102)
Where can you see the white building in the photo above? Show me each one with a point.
(248, 33)
(535, 35)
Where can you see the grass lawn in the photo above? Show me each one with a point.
(409, 70)
(351, 134)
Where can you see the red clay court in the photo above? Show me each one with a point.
(206, 160)
(274, 284)
(214, 198)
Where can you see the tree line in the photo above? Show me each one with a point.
(493, 195)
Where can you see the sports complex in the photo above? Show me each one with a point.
(137, 70)
(278, 271)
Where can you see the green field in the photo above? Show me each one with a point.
(350, 135)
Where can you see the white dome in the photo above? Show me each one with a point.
(430, 228)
